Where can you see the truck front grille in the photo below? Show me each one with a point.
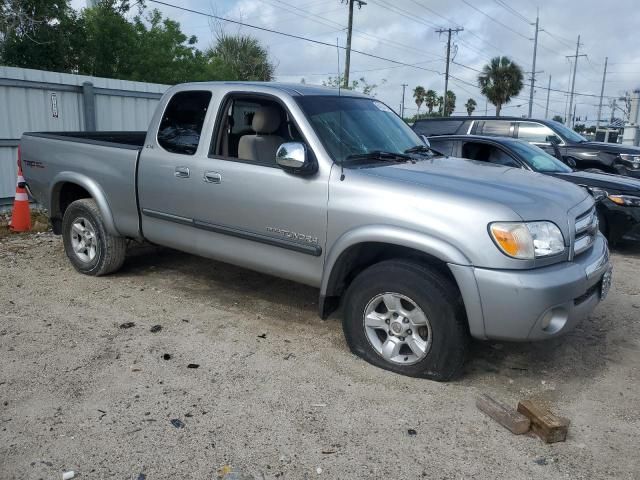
(586, 231)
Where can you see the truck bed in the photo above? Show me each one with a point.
(102, 163)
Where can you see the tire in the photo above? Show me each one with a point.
(445, 335)
(88, 245)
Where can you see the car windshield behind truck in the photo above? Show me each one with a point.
(538, 159)
(351, 126)
(568, 133)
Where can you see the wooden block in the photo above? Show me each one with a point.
(546, 425)
(505, 416)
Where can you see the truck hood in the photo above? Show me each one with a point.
(608, 181)
(530, 195)
(607, 147)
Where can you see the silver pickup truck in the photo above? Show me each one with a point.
(334, 191)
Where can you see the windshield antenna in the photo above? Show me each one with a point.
(340, 111)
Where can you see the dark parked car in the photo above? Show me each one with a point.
(572, 147)
(619, 205)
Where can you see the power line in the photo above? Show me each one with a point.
(513, 12)
(290, 35)
(494, 20)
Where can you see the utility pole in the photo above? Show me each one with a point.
(546, 110)
(533, 68)
(404, 85)
(449, 31)
(573, 80)
(604, 79)
(347, 60)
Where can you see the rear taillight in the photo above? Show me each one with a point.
(19, 159)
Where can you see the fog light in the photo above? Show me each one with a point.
(554, 320)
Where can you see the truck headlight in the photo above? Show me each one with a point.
(630, 158)
(625, 200)
(527, 240)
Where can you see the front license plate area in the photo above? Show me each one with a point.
(605, 284)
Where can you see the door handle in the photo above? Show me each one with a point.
(212, 177)
(182, 172)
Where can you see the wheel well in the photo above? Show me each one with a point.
(358, 257)
(67, 193)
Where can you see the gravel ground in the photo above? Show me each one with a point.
(277, 393)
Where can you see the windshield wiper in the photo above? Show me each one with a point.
(381, 155)
(422, 149)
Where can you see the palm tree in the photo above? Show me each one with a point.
(451, 103)
(418, 95)
(430, 100)
(244, 56)
(500, 80)
(470, 106)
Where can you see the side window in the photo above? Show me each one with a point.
(497, 128)
(535, 132)
(442, 146)
(488, 153)
(252, 129)
(181, 124)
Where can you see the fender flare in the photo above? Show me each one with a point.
(90, 186)
(391, 235)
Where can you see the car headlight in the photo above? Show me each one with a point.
(527, 240)
(625, 200)
(632, 159)
(598, 194)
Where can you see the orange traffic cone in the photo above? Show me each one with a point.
(20, 217)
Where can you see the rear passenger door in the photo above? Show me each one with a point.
(167, 168)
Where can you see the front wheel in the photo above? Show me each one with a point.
(407, 318)
(90, 248)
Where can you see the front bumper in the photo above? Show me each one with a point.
(521, 305)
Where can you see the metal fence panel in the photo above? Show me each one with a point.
(37, 100)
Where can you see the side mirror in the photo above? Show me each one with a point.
(570, 162)
(292, 157)
(425, 140)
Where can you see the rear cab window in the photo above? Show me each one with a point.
(182, 121)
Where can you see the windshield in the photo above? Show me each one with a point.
(354, 126)
(538, 159)
(567, 133)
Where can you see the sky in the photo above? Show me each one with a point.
(405, 31)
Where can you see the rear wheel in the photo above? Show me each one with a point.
(407, 318)
(88, 245)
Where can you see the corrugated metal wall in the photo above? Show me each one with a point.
(37, 100)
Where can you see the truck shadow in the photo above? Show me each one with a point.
(630, 249)
(581, 354)
(224, 284)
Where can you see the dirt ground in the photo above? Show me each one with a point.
(277, 393)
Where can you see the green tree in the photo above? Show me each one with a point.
(243, 55)
(110, 42)
(104, 41)
(500, 80)
(558, 118)
(419, 97)
(40, 34)
(451, 104)
(430, 100)
(470, 106)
